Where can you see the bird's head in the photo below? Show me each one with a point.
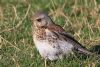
(41, 19)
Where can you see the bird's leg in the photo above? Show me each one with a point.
(45, 62)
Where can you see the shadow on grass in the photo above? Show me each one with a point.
(95, 49)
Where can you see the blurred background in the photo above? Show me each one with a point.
(81, 18)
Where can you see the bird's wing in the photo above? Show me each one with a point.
(77, 46)
(60, 31)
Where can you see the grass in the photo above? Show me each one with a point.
(81, 18)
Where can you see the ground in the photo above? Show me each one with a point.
(80, 18)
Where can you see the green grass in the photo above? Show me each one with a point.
(81, 18)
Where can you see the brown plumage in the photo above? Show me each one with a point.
(51, 39)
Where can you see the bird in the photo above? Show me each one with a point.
(51, 40)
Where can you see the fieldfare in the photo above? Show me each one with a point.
(51, 40)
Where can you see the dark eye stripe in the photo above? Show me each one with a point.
(39, 20)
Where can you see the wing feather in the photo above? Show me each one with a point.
(58, 30)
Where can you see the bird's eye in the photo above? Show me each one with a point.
(39, 20)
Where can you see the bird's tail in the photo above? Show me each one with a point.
(85, 51)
